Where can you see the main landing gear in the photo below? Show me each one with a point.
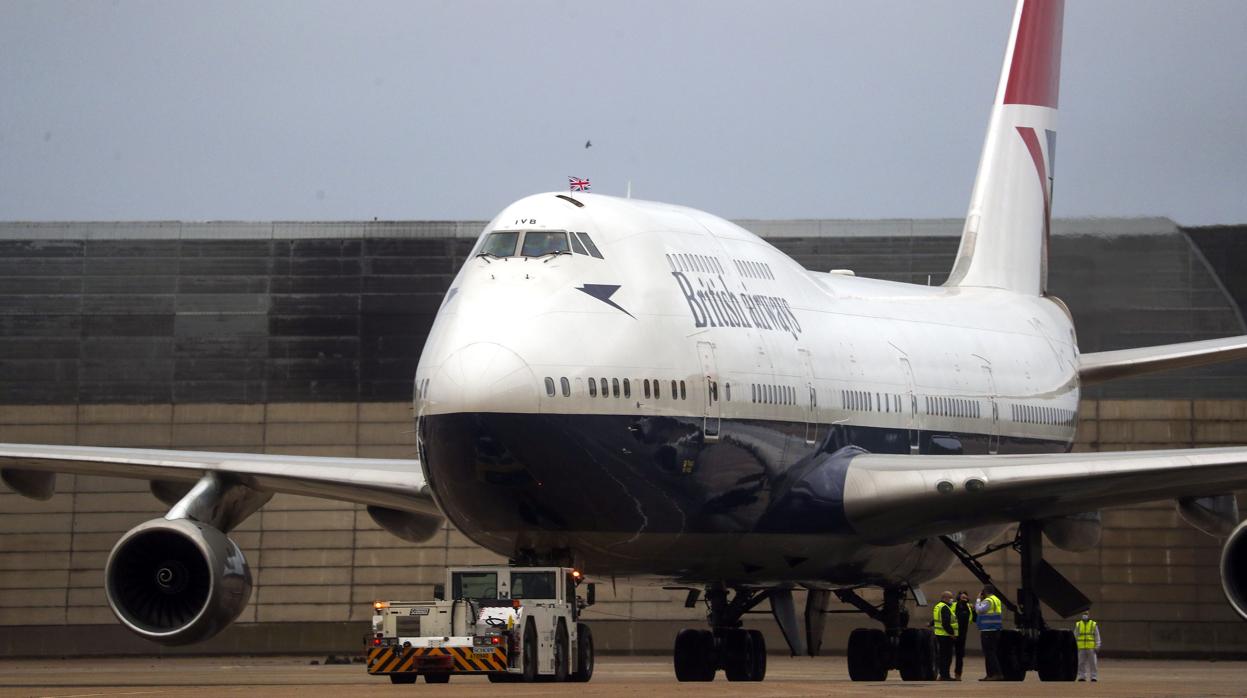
(1050, 652)
(739, 652)
(872, 652)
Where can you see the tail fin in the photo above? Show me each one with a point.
(1005, 240)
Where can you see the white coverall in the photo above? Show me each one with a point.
(1087, 664)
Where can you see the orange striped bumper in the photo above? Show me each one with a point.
(397, 660)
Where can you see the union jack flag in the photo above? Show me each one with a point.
(577, 184)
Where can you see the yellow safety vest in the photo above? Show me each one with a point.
(939, 623)
(1084, 630)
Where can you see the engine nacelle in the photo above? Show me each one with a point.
(176, 582)
(1234, 569)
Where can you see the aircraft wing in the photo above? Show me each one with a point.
(894, 498)
(391, 484)
(1124, 363)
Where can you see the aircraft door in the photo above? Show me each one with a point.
(993, 434)
(811, 411)
(710, 392)
(911, 402)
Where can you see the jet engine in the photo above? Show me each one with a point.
(1234, 569)
(176, 581)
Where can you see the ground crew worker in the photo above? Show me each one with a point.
(965, 615)
(945, 623)
(990, 621)
(1087, 632)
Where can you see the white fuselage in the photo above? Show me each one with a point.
(744, 336)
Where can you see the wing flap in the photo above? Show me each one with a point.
(1124, 363)
(391, 483)
(893, 498)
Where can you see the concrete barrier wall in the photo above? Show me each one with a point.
(319, 564)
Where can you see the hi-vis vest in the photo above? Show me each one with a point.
(939, 623)
(1084, 630)
(991, 619)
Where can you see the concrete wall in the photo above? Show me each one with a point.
(319, 564)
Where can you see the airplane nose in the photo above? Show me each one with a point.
(484, 377)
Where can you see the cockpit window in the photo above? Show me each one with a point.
(500, 244)
(537, 244)
(577, 247)
(593, 249)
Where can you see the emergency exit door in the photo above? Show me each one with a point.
(911, 408)
(710, 391)
(811, 406)
(993, 435)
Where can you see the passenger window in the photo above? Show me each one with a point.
(593, 388)
(615, 386)
(674, 392)
(593, 249)
(646, 384)
(500, 244)
(656, 391)
(627, 388)
(753, 392)
(683, 396)
(549, 386)
(605, 389)
(538, 244)
(567, 387)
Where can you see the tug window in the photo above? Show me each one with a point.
(549, 386)
(500, 244)
(567, 387)
(538, 244)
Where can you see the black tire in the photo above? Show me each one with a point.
(737, 654)
(759, 655)
(1070, 655)
(529, 649)
(868, 655)
(915, 660)
(694, 655)
(562, 652)
(437, 678)
(403, 678)
(584, 654)
(503, 677)
(1050, 655)
(1011, 653)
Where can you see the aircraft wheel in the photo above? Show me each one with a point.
(695, 656)
(1011, 653)
(403, 678)
(868, 655)
(759, 655)
(584, 654)
(737, 654)
(1057, 656)
(915, 655)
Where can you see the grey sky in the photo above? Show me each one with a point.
(450, 110)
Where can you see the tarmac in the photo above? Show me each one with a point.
(615, 676)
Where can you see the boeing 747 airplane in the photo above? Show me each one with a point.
(647, 390)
